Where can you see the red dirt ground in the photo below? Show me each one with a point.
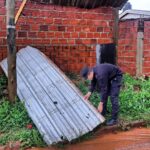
(135, 139)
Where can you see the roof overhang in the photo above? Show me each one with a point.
(134, 14)
(86, 3)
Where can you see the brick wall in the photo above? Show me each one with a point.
(67, 35)
(146, 62)
(127, 46)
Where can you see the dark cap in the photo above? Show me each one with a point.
(84, 72)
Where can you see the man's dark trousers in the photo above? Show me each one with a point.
(113, 91)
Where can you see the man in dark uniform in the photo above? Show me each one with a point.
(109, 78)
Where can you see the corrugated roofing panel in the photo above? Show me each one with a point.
(55, 105)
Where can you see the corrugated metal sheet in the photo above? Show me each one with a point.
(134, 14)
(85, 3)
(55, 105)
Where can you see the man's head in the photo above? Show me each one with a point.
(87, 73)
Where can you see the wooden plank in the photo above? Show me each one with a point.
(20, 10)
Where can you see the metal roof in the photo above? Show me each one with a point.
(134, 14)
(55, 105)
(85, 3)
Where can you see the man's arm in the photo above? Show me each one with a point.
(91, 88)
(92, 85)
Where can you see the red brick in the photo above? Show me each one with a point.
(93, 29)
(67, 35)
(78, 16)
(34, 27)
(70, 28)
(78, 28)
(86, 41)
(71, 41)
(82, 35)
(74, 22)
(50, 34)
(61, 28)
(41, 35)
(58, 34)
(3, 11)
(97, 35)
(97, 22)
(43, 27)
(74, 35)
(66, 21)
(90, 35)
(100, 29)
(48, 20)
(27, 41)
(45, 41)
(55, 41)
(35, 41)
(104, 35)
(62, 14)
(53, 28)
(57, 21)
(63, 41)
(2, 33)
(53, 14)
(25, 27)
(22, 34)
(32, 34)
(82, 22)
(93, 41)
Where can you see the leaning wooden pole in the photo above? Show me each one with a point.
(11, 49)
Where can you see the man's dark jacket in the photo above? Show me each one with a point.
(103, 74)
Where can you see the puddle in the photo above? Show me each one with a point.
(135, 139)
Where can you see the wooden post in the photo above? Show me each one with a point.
(139, 52)
(116, 29)
(11, 49)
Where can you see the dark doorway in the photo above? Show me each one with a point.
(106, 53)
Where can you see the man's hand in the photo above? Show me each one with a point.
(100, 107)
(86, 97)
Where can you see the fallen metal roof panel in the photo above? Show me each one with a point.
(54, 104)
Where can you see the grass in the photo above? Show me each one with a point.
(15, 122)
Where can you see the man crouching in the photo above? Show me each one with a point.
(109, 78)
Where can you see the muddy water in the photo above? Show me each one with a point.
(135, 139)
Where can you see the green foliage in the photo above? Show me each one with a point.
(27, 137)
(3, 83)
(12, 115)
(13, 122)
(135, 98)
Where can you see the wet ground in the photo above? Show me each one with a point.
(135, 139)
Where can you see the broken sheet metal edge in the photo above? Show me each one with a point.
(57, 130)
